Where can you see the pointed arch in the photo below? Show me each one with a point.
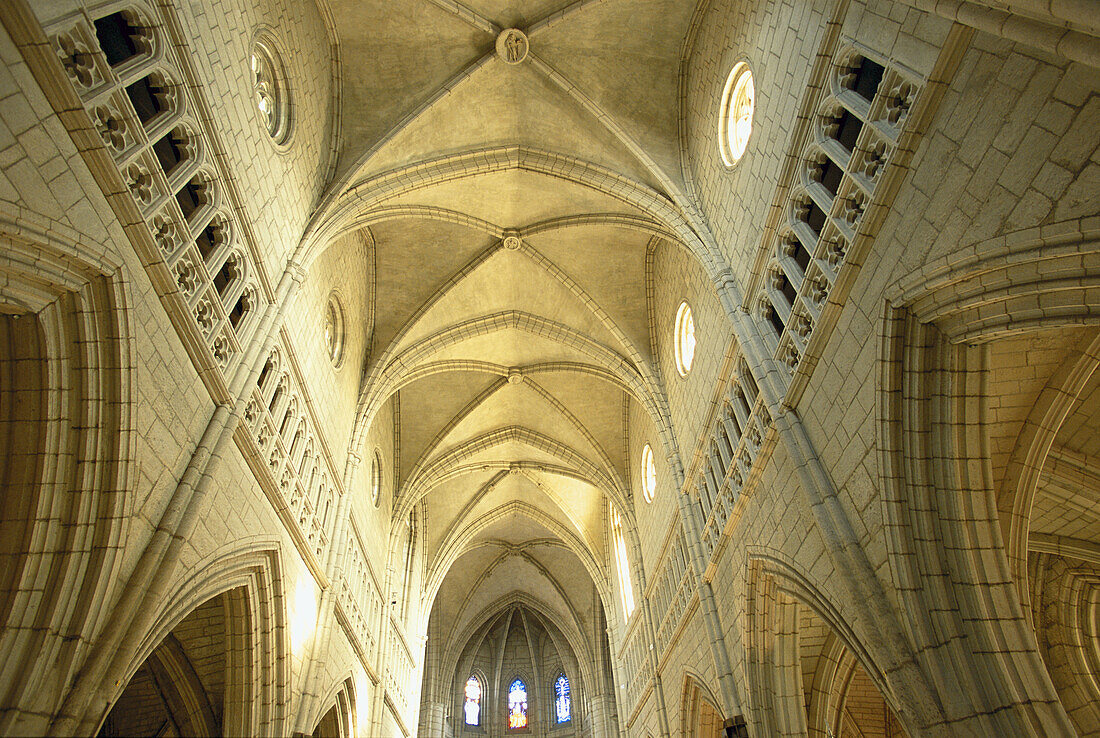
(66, 393)
(1017, 494)
(483, 397)
(337, 718)
(774, 671)
(258, 662)
(517, 703)
(515, 551)
(376, 191)
(458, 539)
(700, 711)
(508, 603)
(563, 705)
(938, 480)
(771, 575)
(425, 478)
(473, 692)
(383, 383)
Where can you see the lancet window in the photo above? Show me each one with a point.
(471, 706)
(517, 705)
(563, 707)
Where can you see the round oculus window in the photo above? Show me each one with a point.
(735, 121)
(684, 339)
(334, 331)
(649, 474)
(376, 478)
(269, 90)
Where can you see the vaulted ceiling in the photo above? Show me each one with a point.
(512, 208)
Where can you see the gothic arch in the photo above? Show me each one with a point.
(819, 702)
(1067, 604)
(534, 563)
(774, 672)
(775, 588)
(337, 718)
(457, 695)
(575, 464)
(66, 461)
(177, 686)
(935, 466)
(1017, 492)
(944, 491)
(838, 679)
(258, 654)
(484, 397)
(341, 206)
(570, 630)
(1038, 278)
(459, 538)
(700, 714)
(388, 376)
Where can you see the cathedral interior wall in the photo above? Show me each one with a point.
(279, 184)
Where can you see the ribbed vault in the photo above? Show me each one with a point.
(514, 210)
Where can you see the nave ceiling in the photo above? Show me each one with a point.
(513, 209)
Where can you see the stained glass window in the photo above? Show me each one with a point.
(562, 708)
(517, 705)
(472, 707)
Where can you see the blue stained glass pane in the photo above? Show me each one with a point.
(561, 699)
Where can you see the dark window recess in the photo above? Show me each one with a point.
(785, 287)
(848, 127)
(146, 98)
(775, 320)
(275, 398)
(868, 76)
(725, 438)
(814, 217)
(169, 151)
(735, 421)
(224, 277)
(116, 38)
(750, 381)
(800, 255)
(744, 403)
(191, 197)
(208, 241)
(714, 483)
(265, 373)
(829, 174)
(236, 315)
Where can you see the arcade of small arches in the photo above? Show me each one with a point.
(403, 368)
